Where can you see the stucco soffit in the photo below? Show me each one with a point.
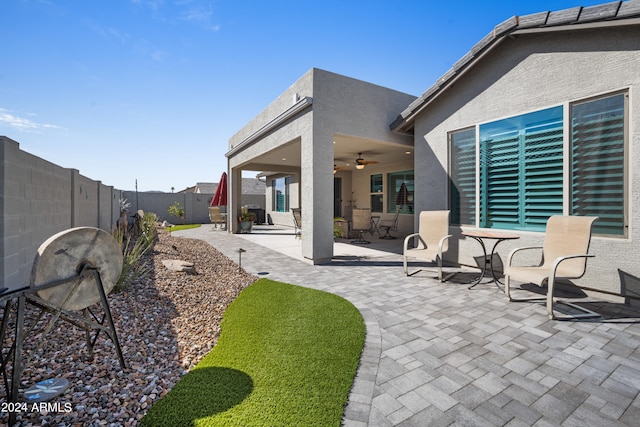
(296, 108)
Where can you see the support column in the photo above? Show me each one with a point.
(317, 199)
(234, 198)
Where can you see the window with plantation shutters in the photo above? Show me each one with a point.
(598, 162)
(462, 182)
(521, 179)
(521, 170)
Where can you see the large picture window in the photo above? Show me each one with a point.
(400, 192)
(520, 177)
(521, 170)
(280, 188)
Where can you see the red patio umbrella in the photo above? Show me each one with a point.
(220, 196)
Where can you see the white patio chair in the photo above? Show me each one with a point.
(564, 256)
(432, 240)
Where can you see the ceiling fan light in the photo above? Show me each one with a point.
(360, 166)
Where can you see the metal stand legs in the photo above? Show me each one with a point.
(487, 261)
(87, 321)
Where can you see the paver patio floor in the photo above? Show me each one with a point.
(439, 354)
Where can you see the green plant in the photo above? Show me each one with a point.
(337, 229)
(247, 217)
(286, 356)
(134, 247)
(176, 209)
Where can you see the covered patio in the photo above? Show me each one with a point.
(325, 146)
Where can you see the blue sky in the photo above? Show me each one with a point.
(152, 90)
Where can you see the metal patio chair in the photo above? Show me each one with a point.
(216, 217)
(361, 223)
(432, 240)
(564, 256)
(297, 221)
(390, 224)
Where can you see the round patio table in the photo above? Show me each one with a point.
(480, 236)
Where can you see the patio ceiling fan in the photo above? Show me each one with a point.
(361, 163)
(337, 168)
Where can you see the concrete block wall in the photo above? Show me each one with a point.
(196, 205)
(39, 199)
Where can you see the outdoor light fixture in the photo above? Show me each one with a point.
(240, 252)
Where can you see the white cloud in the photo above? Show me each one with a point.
(108, 32)
(200, 14)
(20, 123)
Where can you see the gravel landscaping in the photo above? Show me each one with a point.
(166, 322)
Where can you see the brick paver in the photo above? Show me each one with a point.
(440, 354)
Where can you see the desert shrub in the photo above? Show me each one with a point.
(134, 246)
(176, 209)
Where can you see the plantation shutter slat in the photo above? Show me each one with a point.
(543, 167)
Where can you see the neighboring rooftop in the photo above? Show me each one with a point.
(249, 186)
(253, 186)
(206, 187)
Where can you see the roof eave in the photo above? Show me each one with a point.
(613, 14)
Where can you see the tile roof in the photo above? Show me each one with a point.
(253, 186)
(206, 187)
(613, 11)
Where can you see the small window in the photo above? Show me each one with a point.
(280, 188)
(376, 193)
(400, 192)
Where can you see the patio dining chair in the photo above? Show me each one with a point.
(216, 217)
(564, 256)
(390, 224)
(432, 241)
(297, 221)
(361, 222)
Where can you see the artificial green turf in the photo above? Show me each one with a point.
(182, 227)
(286, 356)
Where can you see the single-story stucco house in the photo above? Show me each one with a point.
(537, 119)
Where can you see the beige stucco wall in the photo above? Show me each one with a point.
(528, 73)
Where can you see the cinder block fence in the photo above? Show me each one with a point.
(39, 199)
